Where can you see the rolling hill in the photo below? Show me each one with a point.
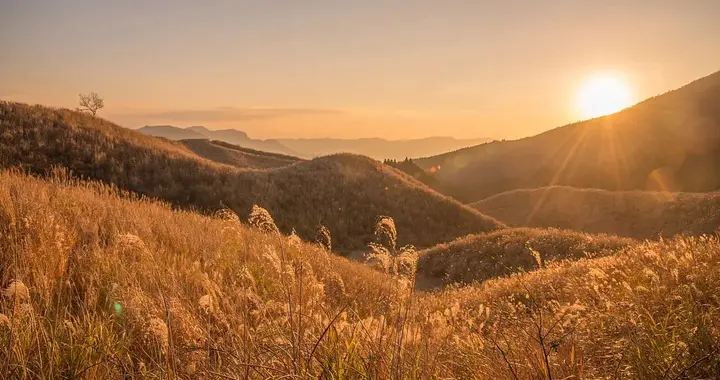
(226, 153)
(476, 258)
(636, 214)
(346, 193)
(670, 142)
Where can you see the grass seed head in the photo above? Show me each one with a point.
(261, 219)
(157, 332)
(17, 290)
(323, 238)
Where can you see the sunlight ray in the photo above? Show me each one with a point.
(556, 177)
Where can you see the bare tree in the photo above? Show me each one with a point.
(90, 103)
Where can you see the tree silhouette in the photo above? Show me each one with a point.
(90, 103)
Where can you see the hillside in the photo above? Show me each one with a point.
(226, 153)
(637, 214)
(345, 193)
(669, 142)
(99, 284)
(410, 168)
(476, 258)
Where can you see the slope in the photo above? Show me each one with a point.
(344, 192)
(669, 142)
(110, 275)
(476, 258)
(98, 284)
(410, 168)
(637, 214)
(226, 153)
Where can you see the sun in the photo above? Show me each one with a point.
(603, 94)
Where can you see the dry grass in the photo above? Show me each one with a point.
(344, 192)
(229, 154)
(99, 284)
(637, 214)
(648, 312)
(117, 285)
(477, 258)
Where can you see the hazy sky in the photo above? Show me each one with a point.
(341, 68)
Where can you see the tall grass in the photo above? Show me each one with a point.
(116, 286)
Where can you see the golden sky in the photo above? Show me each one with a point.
(393, 69)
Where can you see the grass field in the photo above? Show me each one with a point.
(101, 284)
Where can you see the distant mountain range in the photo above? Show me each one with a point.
(379, 148)
(376, 148)
(231, 136)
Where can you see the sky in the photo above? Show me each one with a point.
(348, 69)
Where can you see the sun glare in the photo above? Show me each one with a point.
(603, 94)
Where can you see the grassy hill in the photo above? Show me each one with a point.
(226, 153)
(637, 214)
(101, 284)
(669, 142)
(476, 258)
(345, 193)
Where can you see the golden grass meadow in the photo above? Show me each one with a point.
(100, 283)
(590, 251)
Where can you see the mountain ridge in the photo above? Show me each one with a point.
(231, 136)
(667, 142)
(374, 147)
